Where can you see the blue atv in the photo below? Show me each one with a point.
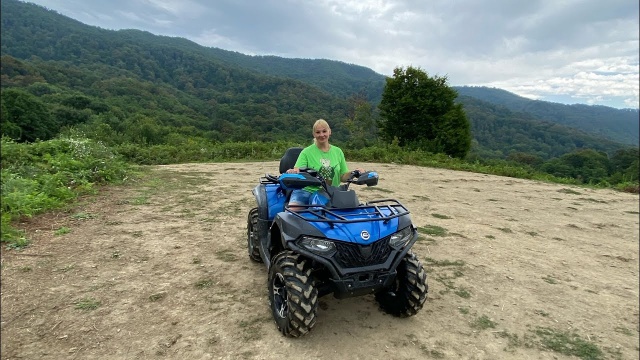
(335, 245)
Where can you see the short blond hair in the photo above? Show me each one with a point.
(320, 123)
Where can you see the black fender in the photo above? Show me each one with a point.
(292, 226)
(260, 194)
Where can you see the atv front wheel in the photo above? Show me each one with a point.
(292, 296)
(409, 292)
(252, 235)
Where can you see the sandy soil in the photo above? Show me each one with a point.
(159, 269)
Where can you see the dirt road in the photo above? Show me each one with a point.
(517, 269)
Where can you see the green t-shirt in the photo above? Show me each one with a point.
(330, 164)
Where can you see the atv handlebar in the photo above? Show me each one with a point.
(369, 178)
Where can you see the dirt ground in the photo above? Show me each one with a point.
(517, 269)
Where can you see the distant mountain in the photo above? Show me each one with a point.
(181, 87)
(336, 77)
(499, 132)
(621, 125)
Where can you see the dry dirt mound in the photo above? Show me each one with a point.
(517, 270)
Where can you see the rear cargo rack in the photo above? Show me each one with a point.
(376, 210)
(269, 179)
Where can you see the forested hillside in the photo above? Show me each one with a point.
(498, 132)
(130, 86)
(620, 125)
(171, 82)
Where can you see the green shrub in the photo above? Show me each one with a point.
(45, 175)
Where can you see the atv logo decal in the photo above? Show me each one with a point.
(365, 235)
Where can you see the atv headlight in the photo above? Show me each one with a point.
(318, 246)
(401, 238)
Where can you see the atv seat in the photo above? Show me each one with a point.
(287, 162)
(289, 159)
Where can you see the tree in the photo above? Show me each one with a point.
(420, 112)
(25, 117)
(586, 165)
(361, 123)
(624, 164)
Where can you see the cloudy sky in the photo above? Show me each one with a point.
(568, 51)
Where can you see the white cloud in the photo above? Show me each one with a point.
(584, 49)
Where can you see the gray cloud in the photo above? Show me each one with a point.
(582, 51)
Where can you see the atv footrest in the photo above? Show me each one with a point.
(362, 283)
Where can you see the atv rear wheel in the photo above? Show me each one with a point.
(252, 235)
(409, 292)
(293, 297)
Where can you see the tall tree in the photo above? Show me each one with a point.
(361, 123)
(25, 118)
(419, 111)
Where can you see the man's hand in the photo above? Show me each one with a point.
(293, 171)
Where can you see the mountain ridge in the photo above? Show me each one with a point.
(237, 91)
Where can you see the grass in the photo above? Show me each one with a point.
(568, 343)
(623, 330)
(463, 310)
(593, 200)
(513, 340)
(569, 191)
(157, 296)
(83, 216)
(61, 231)
(204, 283)
(541, 313)
(433, 262)
(251, 329)
(226, 255)
(550, 280)
(463, 293)
(440, 216)
(17, 243)
(483, 322)
(142, 199)
(68, 268)
(432, 230)
(87, 304)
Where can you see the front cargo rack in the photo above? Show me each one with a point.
(376, 210)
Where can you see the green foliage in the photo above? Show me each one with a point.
(362, 124)
(420, 112)
(499, 132)
(87, 303)
(624, 166)
(483, 322)
(160, 100)
(587, 166)
(568, 343)
(201, 150)
(45, 175)
(620, 125)
(24, 117)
